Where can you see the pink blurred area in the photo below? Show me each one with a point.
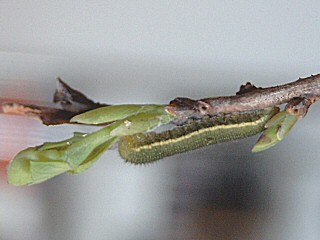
(3, 167)
(17, 134)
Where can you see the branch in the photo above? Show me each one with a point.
(249, 98)
(72, 103)
(206, 121)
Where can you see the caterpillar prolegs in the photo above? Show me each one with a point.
(148, 147)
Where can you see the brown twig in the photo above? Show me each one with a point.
(72, 103)
(248, 98)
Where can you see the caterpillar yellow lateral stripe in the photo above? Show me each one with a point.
(148, 147)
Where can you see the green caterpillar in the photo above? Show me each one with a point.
(143, 148)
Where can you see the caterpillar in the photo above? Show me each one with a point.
(143, 148)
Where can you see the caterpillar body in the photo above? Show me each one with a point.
(143, 148)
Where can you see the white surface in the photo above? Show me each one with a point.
(153, 51)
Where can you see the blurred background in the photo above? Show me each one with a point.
(151, 52)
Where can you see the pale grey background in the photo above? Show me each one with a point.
(151, 52)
